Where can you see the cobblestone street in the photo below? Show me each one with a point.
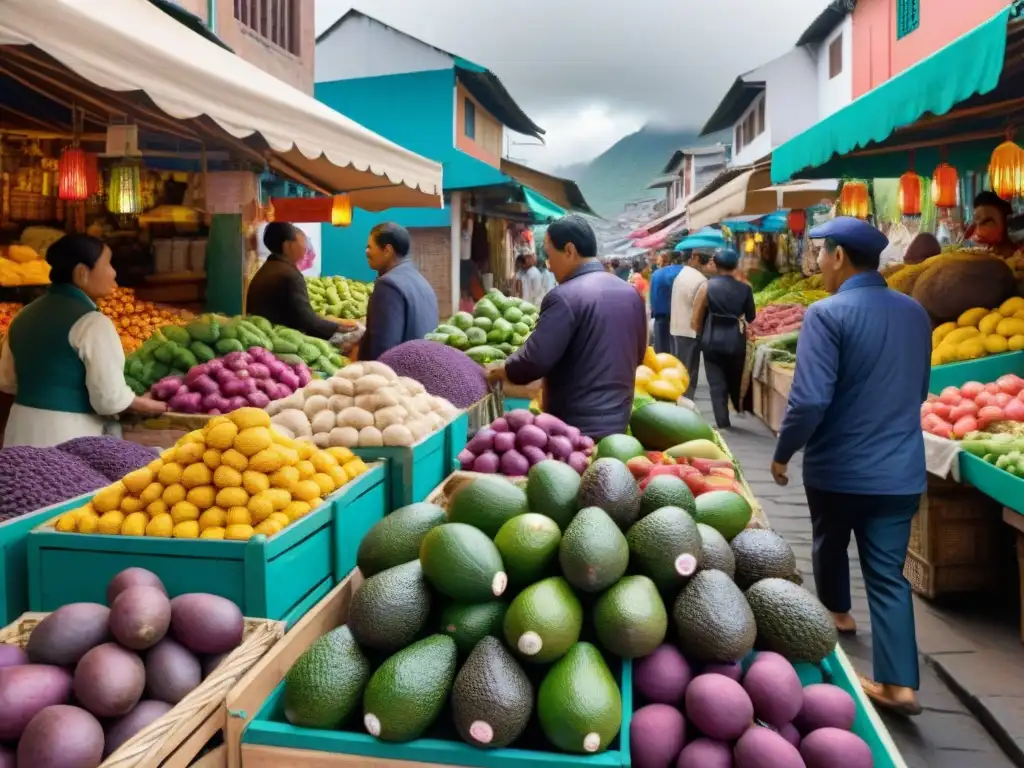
(947, 734)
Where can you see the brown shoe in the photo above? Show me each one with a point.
(845, 625)
(894, 698)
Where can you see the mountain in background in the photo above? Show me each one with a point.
(621, 173)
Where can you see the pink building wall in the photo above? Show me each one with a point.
(878, 55)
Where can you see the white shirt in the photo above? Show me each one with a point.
(533, 286)
(95, 339)
(684, 291)
(550, 283)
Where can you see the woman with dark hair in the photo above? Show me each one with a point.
(62, 358)
(721, 308)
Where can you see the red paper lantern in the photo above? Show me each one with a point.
(910, 194)
(853, 200)
(72, 175)
(797, 221)
(945, 184)
(92, 173)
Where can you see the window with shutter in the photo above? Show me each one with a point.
(908, 17)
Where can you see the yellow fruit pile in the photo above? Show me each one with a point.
(661, 376)
(980, 332)
(232, 479)
(136, 320)
(22, 265)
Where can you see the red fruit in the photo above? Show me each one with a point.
(1010, 384)
(927, 408)
(966, 408)
(943, 429)
(943, 411)
(950, 398)
(989, 415)
(972, 389)
(728, 472)
(669, 460)
(1015, 411)
(655, 456)
(1002, 399)
(705, 465)
(992, 388)
(639, 466)
(964, 426)
(695, 482)
(929, 422)
(984, 399)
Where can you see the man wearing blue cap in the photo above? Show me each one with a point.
(862, 371)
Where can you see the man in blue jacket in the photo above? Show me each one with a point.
(403, 305)
(862, 370)
(660, 296)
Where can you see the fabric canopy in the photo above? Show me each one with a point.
(540, 206)
(131, 45)
(659, 238)
(748, 194)
(970, 65)
(705, 238)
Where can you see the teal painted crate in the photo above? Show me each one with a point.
(995, 483)
(516, 403)
(984, 370)
(270, 729)
(278, 578)
(14, 556)
(412, 472)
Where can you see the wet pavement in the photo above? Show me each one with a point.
(948, 734)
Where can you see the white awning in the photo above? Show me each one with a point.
(130, 45)
(750, 194)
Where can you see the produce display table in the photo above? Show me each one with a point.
(412, 472)
(771, 394)
(14, 555)
(177, 738)
(279, 578)
(270, 741)
(466, 424)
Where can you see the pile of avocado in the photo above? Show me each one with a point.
(502, 619)
(339, 296)
(498, 326)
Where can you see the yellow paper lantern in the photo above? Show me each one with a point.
(854, 199)
(341, 211)
(1006, 170)
(748, 245)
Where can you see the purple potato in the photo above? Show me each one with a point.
(832, 748)
(656, 736)
(764, 748)
(12, 656)
(731, 669)
(719, 707)
(705, 753)
(663, 676)
(790, 734)
(825, 706)
(774, 689)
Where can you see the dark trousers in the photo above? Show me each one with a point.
(662, 337)
(688, 352)
(881, 525)
(725, 380)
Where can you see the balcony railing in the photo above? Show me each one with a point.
(276, 21)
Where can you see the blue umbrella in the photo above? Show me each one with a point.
(705, 238)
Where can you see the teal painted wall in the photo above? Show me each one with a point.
(416, 111)
(343, 249)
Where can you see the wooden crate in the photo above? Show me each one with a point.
(412, 473)
(933, 581)
(955, 524)
(162, 431)
(280, 577)
(269, 741)
(14, 556)
(178, 737)
(771, 396)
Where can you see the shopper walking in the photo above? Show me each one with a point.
(861, 374)
(722, 308)
(661, 301)
(691, 278)
(590, 337)
(533, 281)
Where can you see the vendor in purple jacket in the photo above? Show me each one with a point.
(589, 340)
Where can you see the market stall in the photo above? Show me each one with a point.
(952, 130)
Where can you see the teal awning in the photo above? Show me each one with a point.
(703, 239)
(970, 65)
(541, 208)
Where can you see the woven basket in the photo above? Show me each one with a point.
(150, 746)
(161, 431)
(758, 519)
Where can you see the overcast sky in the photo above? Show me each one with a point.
(592, 71)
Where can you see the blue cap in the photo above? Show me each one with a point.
(852, 233)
